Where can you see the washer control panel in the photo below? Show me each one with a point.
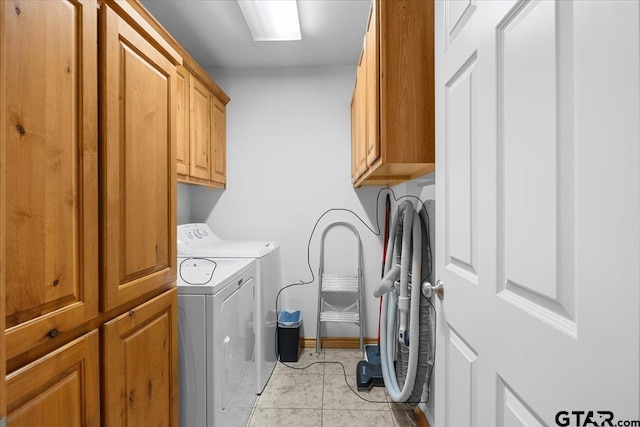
(192, 236)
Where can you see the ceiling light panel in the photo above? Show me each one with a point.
(271, 20)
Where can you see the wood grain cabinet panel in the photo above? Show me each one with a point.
(359, 125)
(59, 390)
(354, 147)
(49, 172)
(372, 83)
(141, 360)
(137, 163)
(200, 129)
(218, 140)
(398, 98)
(182, 121)
(54, 235)
(205, 139)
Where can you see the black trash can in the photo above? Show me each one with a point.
(289, 323)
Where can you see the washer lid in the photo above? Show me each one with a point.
(208, 275)
(198, 240)
(238, 249)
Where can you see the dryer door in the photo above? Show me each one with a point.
(192, 360)
(238, 359)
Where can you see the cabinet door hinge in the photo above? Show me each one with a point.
(3, 422)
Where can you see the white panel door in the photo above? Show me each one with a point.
(538, 233)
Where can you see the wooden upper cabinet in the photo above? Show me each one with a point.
(354, 115)
(359, 125)
(400, 94)
(141, 365)
(138, 159)
(62, 389)
(48, 169)
(362, 116)
(200, 129)
(182, 121)
(372, 83)
(218, 140)
(204, 141)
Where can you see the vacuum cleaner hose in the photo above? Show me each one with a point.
(405, 321)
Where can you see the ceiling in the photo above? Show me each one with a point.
(215, 33)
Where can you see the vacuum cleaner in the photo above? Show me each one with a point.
(406, 335)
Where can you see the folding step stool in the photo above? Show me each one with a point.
(339, 282)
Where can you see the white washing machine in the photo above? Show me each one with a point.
(216, 341)
(198, 240)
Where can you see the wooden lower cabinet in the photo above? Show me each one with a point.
(49, 171)
(139, 375)
(59, 389)
(140, 353)
(137, 162)
(87, 215)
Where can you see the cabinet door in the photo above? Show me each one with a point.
(49, 175)
(182, 121)
(61, 389)
(138, 163)
(407, 107)
(372, 90)
(141, 365)
(200, 129)
(361, 118)
(219, 141)
(354, 135)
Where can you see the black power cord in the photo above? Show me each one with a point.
(302, 282)
(214, 265)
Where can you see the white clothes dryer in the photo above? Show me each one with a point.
(198, 240)
(216, 341)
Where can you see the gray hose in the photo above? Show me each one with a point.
(426, 359)
(414, 360)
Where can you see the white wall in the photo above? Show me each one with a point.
(184, 203)
(289, 160)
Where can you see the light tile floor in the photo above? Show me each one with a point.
(319, 396)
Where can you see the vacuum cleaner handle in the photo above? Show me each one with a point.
(387, 281)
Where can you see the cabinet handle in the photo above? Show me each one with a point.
(52, 333)
(21, 130)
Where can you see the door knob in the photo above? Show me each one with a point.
(428, 289)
